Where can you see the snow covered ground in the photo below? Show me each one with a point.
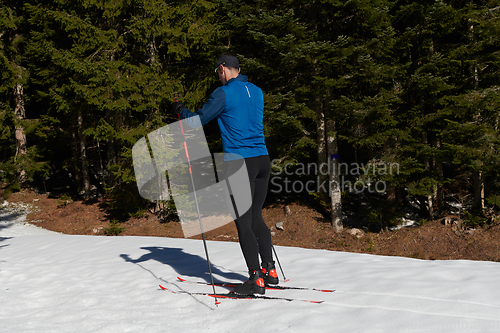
(51, 282)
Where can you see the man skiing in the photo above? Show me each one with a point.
(238, 107)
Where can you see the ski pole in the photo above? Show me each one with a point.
(198, 210)
(279, 264)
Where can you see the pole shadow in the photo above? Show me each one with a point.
(2, 238)
(183, 263)
(9, 217)
(5, 225)
(7, 220)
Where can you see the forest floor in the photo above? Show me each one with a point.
(302, 226)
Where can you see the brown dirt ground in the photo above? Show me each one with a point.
(303, 227)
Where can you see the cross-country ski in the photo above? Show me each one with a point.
(268, 287)
(238, 296)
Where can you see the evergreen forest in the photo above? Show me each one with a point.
(400, 99)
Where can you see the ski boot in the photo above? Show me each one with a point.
(269, 272)
(254, 285)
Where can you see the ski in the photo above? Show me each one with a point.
(270, 287)
(233, 295)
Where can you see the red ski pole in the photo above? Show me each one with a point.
(198, 209)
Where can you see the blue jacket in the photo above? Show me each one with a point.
(239, 109)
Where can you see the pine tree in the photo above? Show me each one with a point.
(426, 33)
(471, 134)
(308, 57)
(435, 42)
(18, 166)
(106, 71)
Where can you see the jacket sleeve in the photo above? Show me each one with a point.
(210, 110)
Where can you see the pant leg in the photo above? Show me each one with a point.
(259, 227)
(254, 236)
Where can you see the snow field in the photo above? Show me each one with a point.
(51, 282)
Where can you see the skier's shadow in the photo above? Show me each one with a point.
(183, 263)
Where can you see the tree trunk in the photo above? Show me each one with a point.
(111, 155)
(76, 157)
(392, 195)
(478, 190)
(334, 177)
(83, 156)
(438, 188)
(430, 196)
(20, 113)
(322, 154)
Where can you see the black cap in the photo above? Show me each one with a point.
(227, 61)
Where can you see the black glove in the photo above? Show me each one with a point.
(177, 107)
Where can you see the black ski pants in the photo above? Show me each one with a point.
(254, 235)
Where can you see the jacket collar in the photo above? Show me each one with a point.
(240, 77)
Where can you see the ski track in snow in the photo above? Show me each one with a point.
(50, 282)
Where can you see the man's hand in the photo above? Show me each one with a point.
(177, 107)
